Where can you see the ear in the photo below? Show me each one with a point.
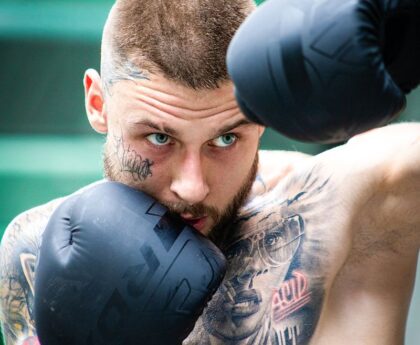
(261, 130)
(94, 101)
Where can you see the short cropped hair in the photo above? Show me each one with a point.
(185, 40)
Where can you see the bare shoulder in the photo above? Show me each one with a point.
(395, 147)
(283, 252)
(289, 244)
(396, 132)
(28, 223)
(18, 253)
(387, 161)
(374, 184)
(274, 166)
(361, 198)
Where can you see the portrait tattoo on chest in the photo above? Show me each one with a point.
(273, 289)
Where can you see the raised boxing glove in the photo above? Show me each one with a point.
(116, 268)
(325, 70)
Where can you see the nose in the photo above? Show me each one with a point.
(252, 269)
(189, 183)
(246, 278)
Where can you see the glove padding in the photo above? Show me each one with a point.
(115, 268)
(323, 71)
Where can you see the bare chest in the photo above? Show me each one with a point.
(283, 254)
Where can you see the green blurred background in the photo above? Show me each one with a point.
(47, 148)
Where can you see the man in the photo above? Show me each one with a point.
(320, 249)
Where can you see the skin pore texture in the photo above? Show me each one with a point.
(308, 239)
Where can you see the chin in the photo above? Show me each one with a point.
(206, 230)
(236, 330)
(222, 322)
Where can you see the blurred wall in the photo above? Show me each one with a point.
(47, 148)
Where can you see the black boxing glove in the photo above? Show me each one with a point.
(116, 268)
(324, 71)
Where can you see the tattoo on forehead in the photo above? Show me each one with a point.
(130, 161)
(121, 69)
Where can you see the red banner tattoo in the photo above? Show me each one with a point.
(292, 295)
(31, 341)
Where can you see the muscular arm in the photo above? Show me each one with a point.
(392, 156)
(18, 252)
(403, 197)
(346, 207)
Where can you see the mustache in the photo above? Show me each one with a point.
(196, 210)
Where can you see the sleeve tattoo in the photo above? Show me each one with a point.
(18, 252)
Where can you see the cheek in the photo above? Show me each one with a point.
(135, 165)
(227, 175)
(272, 278)
(157, 185)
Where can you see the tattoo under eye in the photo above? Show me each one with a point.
(132, 162)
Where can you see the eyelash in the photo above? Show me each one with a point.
(159, 147)
(163, 147)
(226, 147)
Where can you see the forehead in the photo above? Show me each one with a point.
(160, 97)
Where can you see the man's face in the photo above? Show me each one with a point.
(191, 150)
(257, 265)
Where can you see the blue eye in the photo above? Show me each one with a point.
(159, 139)
(225, 140)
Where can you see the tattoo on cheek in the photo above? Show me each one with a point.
(130, 161)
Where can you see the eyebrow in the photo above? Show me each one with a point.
(156, 126)
(228, 128)
(174, 132)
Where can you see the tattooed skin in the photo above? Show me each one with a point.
(130, 161)
(118, 68)
(273, 290)
(18, 253)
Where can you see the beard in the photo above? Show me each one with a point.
(221, 231)
(222, 219)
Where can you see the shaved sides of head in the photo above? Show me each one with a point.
(184, 40)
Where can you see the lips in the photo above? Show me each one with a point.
(197, 223)
(246, 303)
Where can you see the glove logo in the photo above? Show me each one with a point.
(136, 283)
(113, 318)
